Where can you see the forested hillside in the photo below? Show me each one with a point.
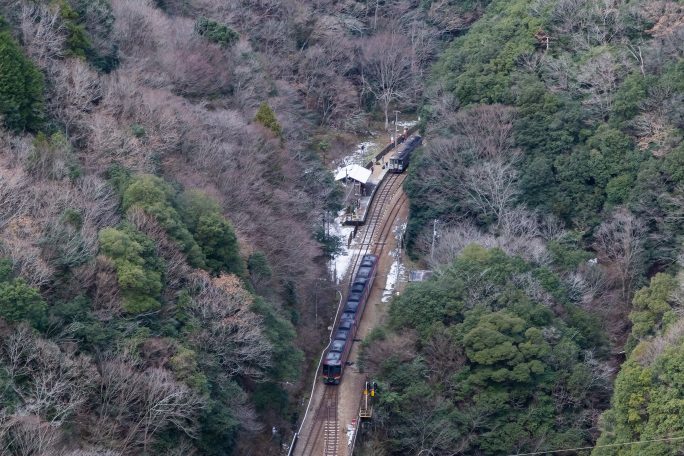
(554, 145)
(165, 192)
(163, 196)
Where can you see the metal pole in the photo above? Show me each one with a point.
(396, 127)
(434, 235)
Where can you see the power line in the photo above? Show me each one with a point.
(665, 439)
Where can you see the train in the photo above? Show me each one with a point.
(338, 352)
(399, 161)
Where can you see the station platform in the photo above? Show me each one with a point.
(361, 203)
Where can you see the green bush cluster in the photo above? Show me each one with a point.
(21, 86)
(191, 218)
(646, 402)
(503, 360)
(89, 25)
(216, 32)
(578, 163)
(77, 42)
(155, 197)
(19, 301)
(477, 67)
(138, 269)
(266, 117)
(212, 232)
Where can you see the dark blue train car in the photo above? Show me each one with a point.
(338, 352)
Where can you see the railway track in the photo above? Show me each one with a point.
(325, 425)
(331, 429)
(389, 186)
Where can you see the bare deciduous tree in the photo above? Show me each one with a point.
(386, 68)
(619, 242)
(492, 187)
(230, 331)
(43, 32)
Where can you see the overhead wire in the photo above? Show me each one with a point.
(608, 445)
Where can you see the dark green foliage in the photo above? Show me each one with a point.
(270, 397)
(502, 358)
(566, 252)
(5, 269)
(77, 41)
(477, 67)
(21, 87)
(216, 32)
(258, 266)
(212, 232)
(281, 333)
(266, 117)
(89, 25)
(330, 243)
(218, 426)
(645, 404)
(652, 311)
(424, 209)
(138, 269)
(21, 302)
(75, 310)
(119, 177)
(631, 93)
(155, 197)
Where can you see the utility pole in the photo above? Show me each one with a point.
(434, 235)
(396, 127)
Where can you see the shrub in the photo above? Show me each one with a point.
(266, 117)
(216, 32)
(77, 41)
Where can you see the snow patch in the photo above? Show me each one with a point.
(397, 270)
(340, 264)
(363, 153)
(407, 123)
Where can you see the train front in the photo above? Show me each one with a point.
(332, 368)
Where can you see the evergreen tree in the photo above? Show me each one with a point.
(21, 87)
(266, 117)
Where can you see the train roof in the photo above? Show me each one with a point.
(407, 146)
(351, 306)
(346, 324)
(337, 345)
(354, 297)
(333, 358)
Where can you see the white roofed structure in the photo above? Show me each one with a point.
(355, 172)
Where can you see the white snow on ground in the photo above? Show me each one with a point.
(397, 270)
(341, 262)
(362, 154)
(407, 123)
